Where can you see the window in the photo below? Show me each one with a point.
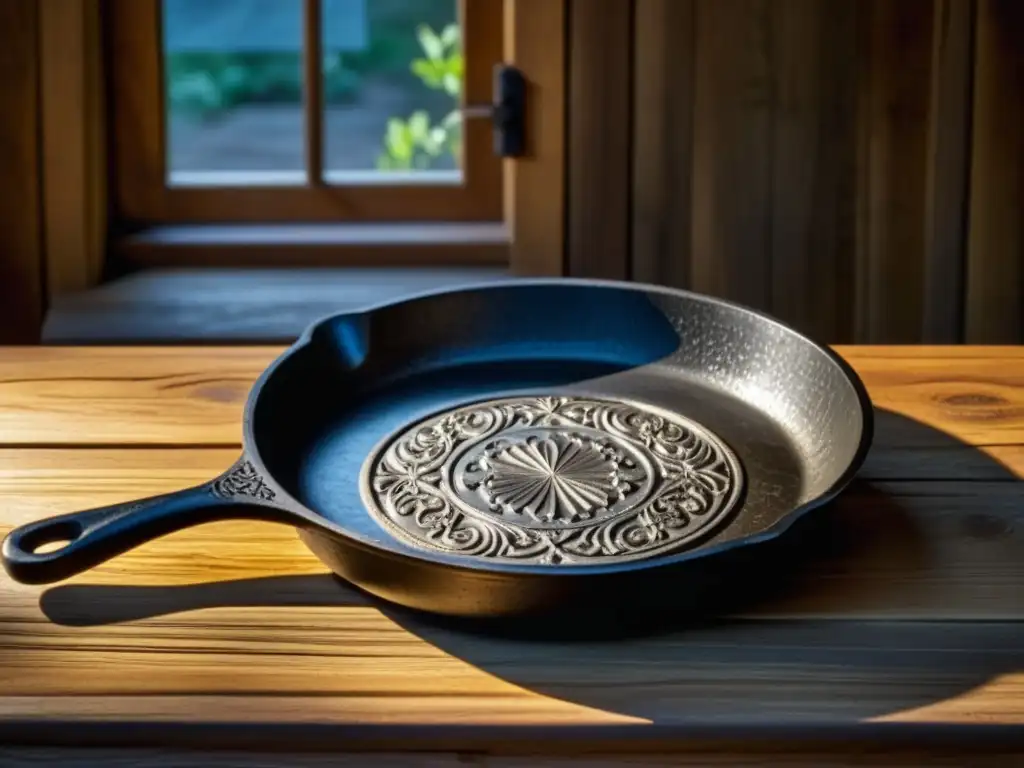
(303, 110)
(287, 133)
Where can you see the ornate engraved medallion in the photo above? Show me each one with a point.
(242, 480)
(552, 480)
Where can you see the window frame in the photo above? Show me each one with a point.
(82, 244)
(138, 161)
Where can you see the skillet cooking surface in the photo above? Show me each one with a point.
(773, 419)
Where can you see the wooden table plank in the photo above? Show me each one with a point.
(929, 693)
(973, 394)
(237, 623)
(131, 396)
(912, 615)
(194, 396)
(950, 462)
(359, 667)
(949, 549)
(173, 758)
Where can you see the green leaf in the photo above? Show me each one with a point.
(455, 65)
(419, 126)
(428, 71)
(450, 36)
(452, 85)
(430, 42)
(398, 139)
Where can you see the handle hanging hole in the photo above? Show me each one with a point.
(51, 538)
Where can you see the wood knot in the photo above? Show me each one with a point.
(220, 393)
(979, 525)
(975, 400)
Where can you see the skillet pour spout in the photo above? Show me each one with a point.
(519, 447)
(93, 536)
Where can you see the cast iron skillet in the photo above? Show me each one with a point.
(516, 447)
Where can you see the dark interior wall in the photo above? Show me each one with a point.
(21, 270)
(855, 167)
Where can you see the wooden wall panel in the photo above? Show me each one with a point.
(948, 183)
(600, 48)
(890, 300)
(733, 98)
(21, 271)
(995, 273)
(73, 144)
(854, 167)
(662, 141)
(534, 185)
(813, 162)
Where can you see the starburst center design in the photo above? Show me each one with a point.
(558, 478)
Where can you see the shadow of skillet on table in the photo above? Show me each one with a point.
(900, 595)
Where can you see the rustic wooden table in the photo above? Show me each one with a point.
(906, 642)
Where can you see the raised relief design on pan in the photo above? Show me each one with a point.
(242, 480)
(552, 480)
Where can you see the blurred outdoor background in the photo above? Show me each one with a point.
(392, 74)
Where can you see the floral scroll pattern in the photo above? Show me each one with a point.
(242, 480)
(552, 480)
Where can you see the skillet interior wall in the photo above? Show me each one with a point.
(465, 344)
(778, 371)
(474, 343)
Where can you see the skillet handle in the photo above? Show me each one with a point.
(97, 535)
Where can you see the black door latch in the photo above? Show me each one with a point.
(507, 113)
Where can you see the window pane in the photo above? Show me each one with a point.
(233, 73)
(392, 82)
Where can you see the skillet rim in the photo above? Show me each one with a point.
(481, 569)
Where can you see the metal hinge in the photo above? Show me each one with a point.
(507, 113)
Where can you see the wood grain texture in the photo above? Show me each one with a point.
(663, 61)
(73, 138)
(535, 184)
(905, 615)
(733, 96)
(193, 396)
(813, 151)
(372, 674)
(762, 205)
(138, 395)
(206, 305)
(971, 394)
(174, 758)
(949, 159)
(598, 176)
(244, 247)
(21, 267)
(895, 115)
(853, 168)
(313, 90)
(136, 128)
(995, 259)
